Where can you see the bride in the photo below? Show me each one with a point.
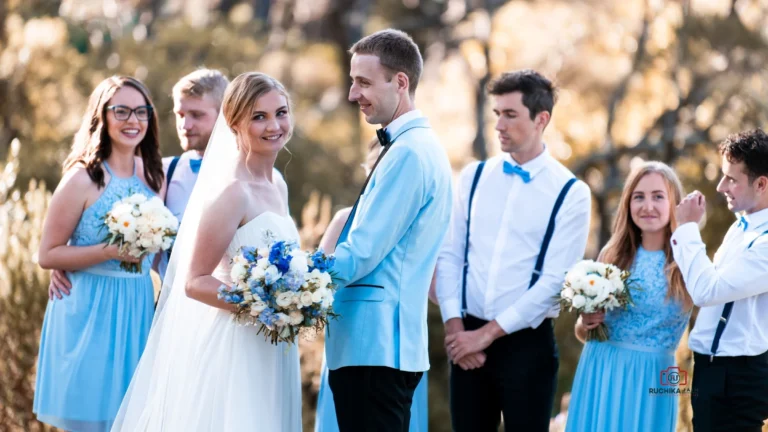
(200, 370)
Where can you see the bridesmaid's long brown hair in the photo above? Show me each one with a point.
(626, 239)
(92, 144)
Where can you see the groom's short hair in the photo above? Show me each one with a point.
(750, 147)
(202, 82)
(396, 51)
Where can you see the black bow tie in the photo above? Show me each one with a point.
(383, 137)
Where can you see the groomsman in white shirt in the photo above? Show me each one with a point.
(196, 103)
(520, 221)
(730, 338)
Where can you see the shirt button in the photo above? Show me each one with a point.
(674, 242)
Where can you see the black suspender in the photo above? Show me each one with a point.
(726, 314)
(544, 244)
(466, 240)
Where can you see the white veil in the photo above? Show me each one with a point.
(177, 318)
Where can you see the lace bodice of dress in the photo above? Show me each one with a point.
(90, 230)
(655, 320)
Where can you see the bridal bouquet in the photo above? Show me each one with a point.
(591, 286)
(140, 225)
(281, 289)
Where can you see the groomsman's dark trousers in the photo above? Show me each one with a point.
(730, 394)
(518, 380)
(373, 398)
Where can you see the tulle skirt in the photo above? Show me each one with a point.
(210, 374)
(624, 388)
(90, 345)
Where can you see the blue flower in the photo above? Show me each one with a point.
(249, 253)
(268, 317)
(277, 251)
(293, 281)
(321, 261)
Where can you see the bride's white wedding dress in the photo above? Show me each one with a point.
(211, 374)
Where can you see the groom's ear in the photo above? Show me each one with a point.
(402, 81)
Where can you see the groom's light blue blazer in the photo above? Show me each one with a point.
(387, 252)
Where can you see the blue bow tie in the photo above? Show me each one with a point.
(743, 224)
(515, 169)
(194, 165)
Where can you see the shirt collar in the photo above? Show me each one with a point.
(399, 122)
(756, 220)
(535, 165)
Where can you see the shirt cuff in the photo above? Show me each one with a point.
(686, 233)
(510, 321)
(450, 308)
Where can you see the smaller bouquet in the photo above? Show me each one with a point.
(591, 286)
(281, 289)
(139, 226)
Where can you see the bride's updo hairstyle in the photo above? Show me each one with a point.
(241, 96)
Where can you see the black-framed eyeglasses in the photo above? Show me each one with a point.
(122, 112)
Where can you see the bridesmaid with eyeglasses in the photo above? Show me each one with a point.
(92, 339)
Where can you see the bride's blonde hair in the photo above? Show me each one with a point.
(241, 96)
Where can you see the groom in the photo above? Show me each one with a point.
(377, 350)
(730, 338)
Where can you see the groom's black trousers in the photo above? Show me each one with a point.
(518, 380)
(730, 394)
(373, 398)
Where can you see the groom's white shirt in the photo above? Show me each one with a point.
(737, 274)
(509, 218)
(178, 192)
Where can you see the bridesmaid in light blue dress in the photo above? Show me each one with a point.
(92, 339)
(325, 418)
(615, 381)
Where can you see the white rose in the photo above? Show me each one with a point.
(298, 262)
(238, 272)
(325, 280)
(262, 263)
(296, 317)
(284, 299)
(567, 293)
(257, 307)
(327, 301)
(167, 243)
(317, 296)
(579, 301)
(591, 285)
(257, 273)
(136, 198)
(272, 274)
(305, 298)
(282, 319)
(263, 252)
(239, 259)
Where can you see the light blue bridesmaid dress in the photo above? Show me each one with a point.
(325, 418)
(616, 387)
(92, 340)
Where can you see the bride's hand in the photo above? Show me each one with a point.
(592, 320)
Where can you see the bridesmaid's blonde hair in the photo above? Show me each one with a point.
(626, 239)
